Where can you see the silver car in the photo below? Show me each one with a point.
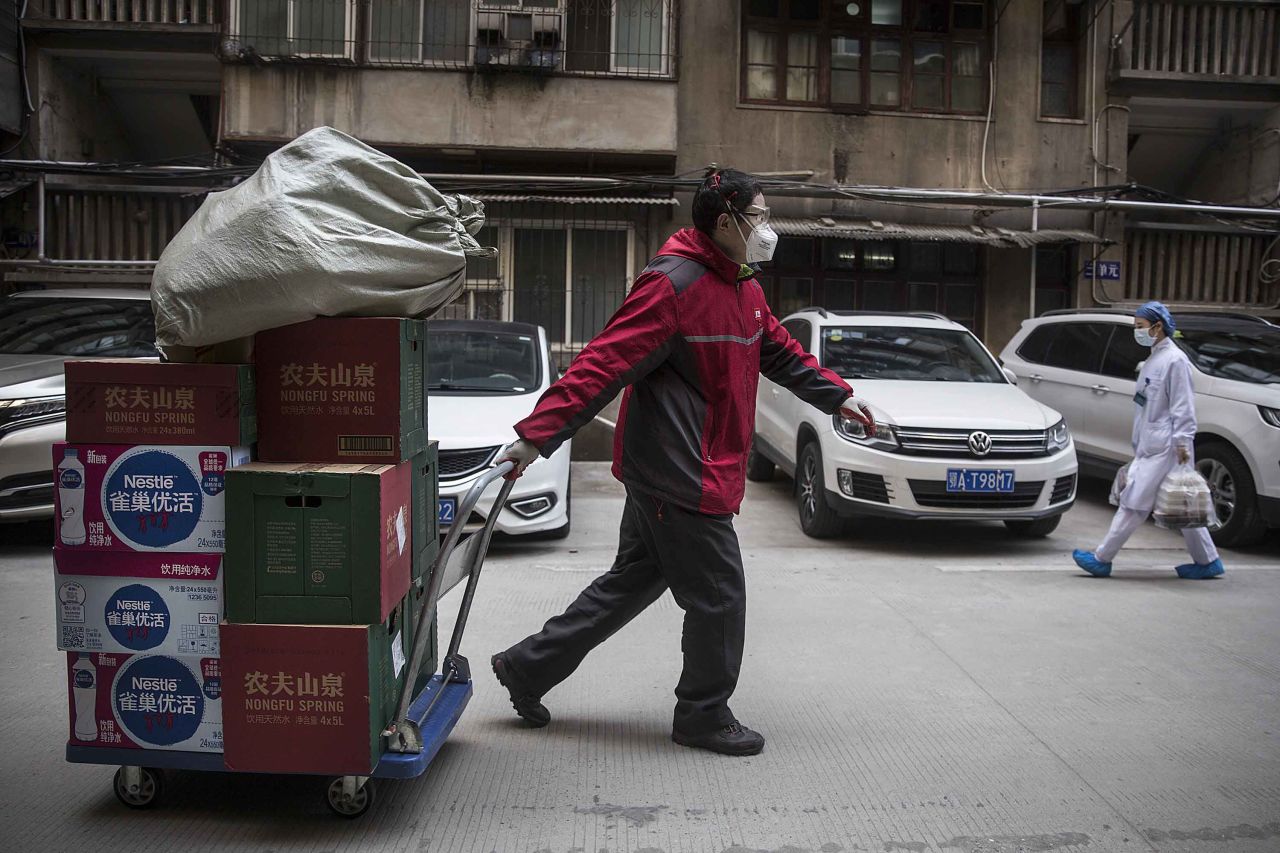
(39, 330)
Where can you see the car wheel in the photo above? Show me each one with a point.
(1235, 499)
(1034, 528)
(759, 468)
(817, 519)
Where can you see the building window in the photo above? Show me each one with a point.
(640, 36)
(1060, 59)
(845, 275)
(623, 38)
(567, 278)
(302, 28)
(918, 55)
(419, 31)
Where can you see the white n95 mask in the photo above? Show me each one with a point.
(761, 243)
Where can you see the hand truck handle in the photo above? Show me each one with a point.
(402, 733)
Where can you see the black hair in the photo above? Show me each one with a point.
(722, 191)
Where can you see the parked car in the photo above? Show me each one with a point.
(39, 330)
(954, 439)
(1085, 364)
(484, 377)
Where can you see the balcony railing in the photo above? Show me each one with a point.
(204, 12)
(611, 38)
(1202, 268)
(95, 223)
(1231, 38)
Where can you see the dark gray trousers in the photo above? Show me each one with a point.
(661, 546)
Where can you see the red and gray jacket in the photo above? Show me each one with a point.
(691, 340)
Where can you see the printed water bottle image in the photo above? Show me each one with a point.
(84, 683)
(71, 498)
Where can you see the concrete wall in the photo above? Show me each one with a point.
(1243, 167)
(76, 120)
(1024, 152)
(1007, 295)
(452, 109)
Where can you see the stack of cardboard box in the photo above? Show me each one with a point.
(139, 541)
(328, 535)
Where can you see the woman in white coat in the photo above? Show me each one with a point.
(1164, 431)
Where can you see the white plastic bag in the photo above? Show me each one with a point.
(1184, 501)
(327, 226)
(1119, 483)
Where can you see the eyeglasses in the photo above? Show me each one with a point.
(759, 214)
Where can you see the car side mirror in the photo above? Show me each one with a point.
(1011, 376)
(1138, 369)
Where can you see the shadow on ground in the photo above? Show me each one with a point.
(25, 536)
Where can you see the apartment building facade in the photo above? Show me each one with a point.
(536, 105)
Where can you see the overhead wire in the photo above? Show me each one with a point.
(192, 169)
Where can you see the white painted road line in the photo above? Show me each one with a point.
(1068, 566)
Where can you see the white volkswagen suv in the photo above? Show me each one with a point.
(955, 438)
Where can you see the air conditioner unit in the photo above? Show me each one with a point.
(548, 48)
(530, 39)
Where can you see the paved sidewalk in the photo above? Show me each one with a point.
(923, 688)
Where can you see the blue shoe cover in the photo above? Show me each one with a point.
(1091, 564)
(1197, 572)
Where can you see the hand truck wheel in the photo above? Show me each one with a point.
(138, 787)
(349, 796)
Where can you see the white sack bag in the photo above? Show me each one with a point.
(327, 226)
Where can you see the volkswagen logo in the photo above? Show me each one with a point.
(979, 443)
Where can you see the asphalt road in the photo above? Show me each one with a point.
(922, 687)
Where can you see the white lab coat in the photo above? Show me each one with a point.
(1164, 419)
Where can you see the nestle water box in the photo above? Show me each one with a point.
(145, 701)
(159, 603)
(120, 497)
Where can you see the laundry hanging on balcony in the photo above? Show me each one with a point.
(327, 226)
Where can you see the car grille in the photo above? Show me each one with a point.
(456, 464)
(869, 487)
(955, 442)
(932, 493)
(1063, 488)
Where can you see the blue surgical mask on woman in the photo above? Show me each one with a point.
(1144, 337)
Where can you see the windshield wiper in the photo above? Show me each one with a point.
(462, 386)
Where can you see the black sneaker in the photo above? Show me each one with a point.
(733, 739)
(528, 706)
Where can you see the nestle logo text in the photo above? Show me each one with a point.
(159, 685)
(148, 481)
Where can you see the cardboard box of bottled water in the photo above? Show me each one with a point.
(342, 389)
(158, 603)
(127, 401)
(145, 701)
(320, 544)
(119, 497)
(313, 698)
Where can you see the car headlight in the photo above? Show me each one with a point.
(1057, 437)
(1271, 416)
(884, 438)
(31, 410)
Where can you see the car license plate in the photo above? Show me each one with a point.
(968, 480)
(446, 508)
